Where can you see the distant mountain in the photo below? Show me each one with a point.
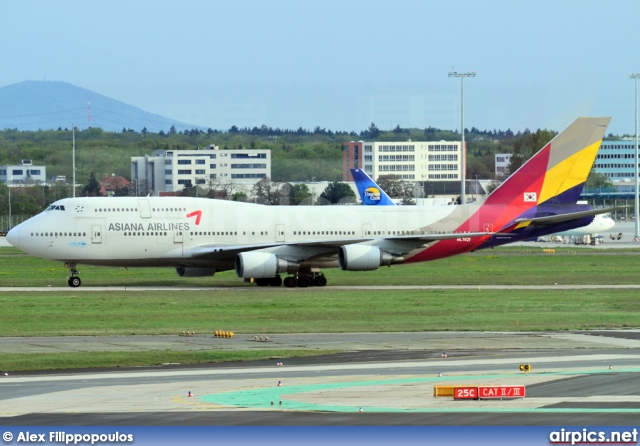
(46, 105)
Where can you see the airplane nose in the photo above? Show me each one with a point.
(13, 238)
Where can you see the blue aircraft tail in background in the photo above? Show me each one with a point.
(370, 192)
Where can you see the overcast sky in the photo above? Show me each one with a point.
(337, 64)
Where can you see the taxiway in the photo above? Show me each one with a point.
(378, 379)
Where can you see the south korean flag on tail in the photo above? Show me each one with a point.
(530, 197)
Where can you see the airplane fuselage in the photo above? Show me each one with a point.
(154, 231)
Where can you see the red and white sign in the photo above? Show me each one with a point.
(497, 392)
(465, 393)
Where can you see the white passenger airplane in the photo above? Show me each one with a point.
(372, 195)
(600, 225)
(200, 236)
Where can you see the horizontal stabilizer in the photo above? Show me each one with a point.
(562, 218)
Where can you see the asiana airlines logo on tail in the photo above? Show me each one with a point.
(372, 195)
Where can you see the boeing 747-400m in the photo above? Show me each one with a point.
(199, 236)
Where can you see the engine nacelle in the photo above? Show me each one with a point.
(363, 258)
(262, 265)
(188, 271)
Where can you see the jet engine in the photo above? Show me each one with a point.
(188, 271)
(363, 258)
(260, 265)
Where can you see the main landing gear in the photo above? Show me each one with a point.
(303, 279)
(73, 280)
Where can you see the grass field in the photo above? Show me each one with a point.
(502, 266)
(256, 311)
(61, 361)
(248, 309)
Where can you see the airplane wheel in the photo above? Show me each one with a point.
(74, 282)
(290, 282)
(276, 281)
(262, 282)
(303, 282)
(320, 281)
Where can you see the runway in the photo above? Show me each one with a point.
(378, 379)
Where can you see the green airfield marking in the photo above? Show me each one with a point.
(261, 398)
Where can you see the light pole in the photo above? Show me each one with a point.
(635, 76)
(73, 158)
(463, 162)
(9, 187)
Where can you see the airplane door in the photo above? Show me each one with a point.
(366, 230)
(177, 237)
(96, 234)
(145, 210)
(279, 233)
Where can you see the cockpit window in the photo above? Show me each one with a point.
(55, 207)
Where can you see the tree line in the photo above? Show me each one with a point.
(297, 155)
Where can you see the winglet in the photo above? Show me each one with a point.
(370, 192)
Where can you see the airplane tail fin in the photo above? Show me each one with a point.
(370, 192)
(558, 172)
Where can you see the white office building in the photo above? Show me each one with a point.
(413, 161)
(171, 170)
(616, 159)
(502, 161)
(24, 174)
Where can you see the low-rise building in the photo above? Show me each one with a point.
(615, 159)
(172, 170)
(23, 174)
(111, 183)
(407, 160)
(502, 161)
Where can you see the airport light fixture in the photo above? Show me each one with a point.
(463, 161)
(635, 76)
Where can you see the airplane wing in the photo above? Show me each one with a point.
(561, 218)
(303, 250)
